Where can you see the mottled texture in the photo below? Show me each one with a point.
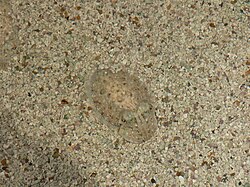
(8, 34)
(123, 103)
(5, 21)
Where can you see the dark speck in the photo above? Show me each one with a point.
(218, 107)
(153, 180)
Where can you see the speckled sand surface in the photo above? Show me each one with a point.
(193, 55)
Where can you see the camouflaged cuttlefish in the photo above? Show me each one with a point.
(123, 103)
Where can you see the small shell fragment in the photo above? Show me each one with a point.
(124, 104)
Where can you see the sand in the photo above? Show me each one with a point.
(194, 56)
